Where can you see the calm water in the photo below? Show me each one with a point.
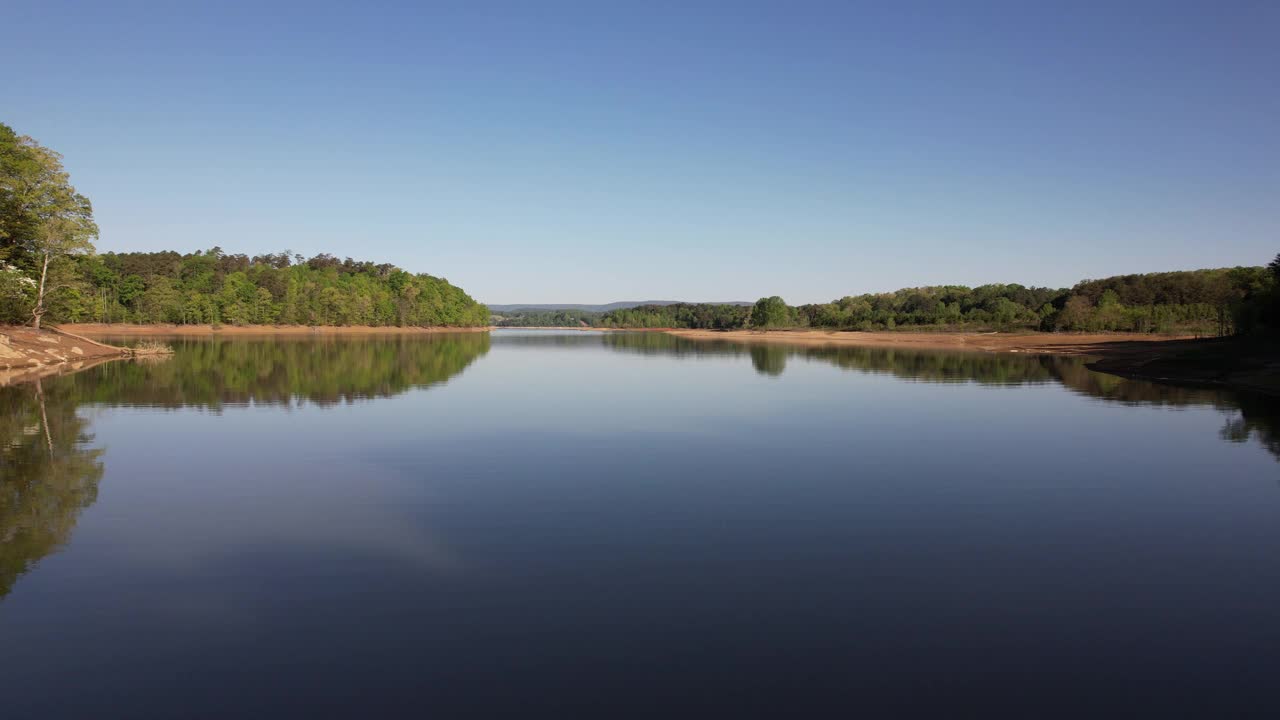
(601, 523)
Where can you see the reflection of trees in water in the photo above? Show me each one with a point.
(931, 366)
(1252, 415)
(1258, 419)
(48, 472)
(547, 338)
(658, 343)
(324, 371)
(769, 360)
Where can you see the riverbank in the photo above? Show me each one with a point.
(1251, 365)
(27, 354)
(1037, 343)
(127, 330)
(1240, 363)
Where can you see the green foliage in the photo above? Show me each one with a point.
(771, 312)
(533, 317)
(213, 287)
(46, 228)
(1203, 302)
(704, 316)
(945, 306)
(43, 220)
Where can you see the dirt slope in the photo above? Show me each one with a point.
(26, 354)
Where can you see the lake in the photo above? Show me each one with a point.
(593, 524)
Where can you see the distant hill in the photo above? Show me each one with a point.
(623, 305)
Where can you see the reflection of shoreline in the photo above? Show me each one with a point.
(212, 372)
(106, 330)
(1259, 414)
(50, 469)
(26, 375)
(49, 472)
(1236, 363)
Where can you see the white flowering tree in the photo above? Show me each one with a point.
(17, 295)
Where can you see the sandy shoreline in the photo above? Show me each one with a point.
(1058, 343)
(1042, 343)
(1109, 344)
(123, 330)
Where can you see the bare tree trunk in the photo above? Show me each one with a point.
(44, 417)
(38, 312)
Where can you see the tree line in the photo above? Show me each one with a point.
(535, 317)
(682, 315)
(1215, 302)
(216, 287)
(48, 268)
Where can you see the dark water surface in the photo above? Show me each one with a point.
(595, 524)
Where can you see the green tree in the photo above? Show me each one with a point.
(770, 312)
(56, 239)
(1077, 314)
(43, 220)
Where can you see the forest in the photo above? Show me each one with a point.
(536, 317)
(216, 287)
(48, 268)
(1218, 302)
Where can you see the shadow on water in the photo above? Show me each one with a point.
(50, 466)
(1250, 416)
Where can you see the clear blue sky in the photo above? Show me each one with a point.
(594, 151)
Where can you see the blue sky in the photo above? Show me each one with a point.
(595, 151)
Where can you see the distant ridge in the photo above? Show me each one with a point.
(623, 305)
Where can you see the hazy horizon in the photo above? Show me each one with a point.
(575, 153)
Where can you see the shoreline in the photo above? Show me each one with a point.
(134, 330)
(1021, 342)
(1245, 364)
(27, 354)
